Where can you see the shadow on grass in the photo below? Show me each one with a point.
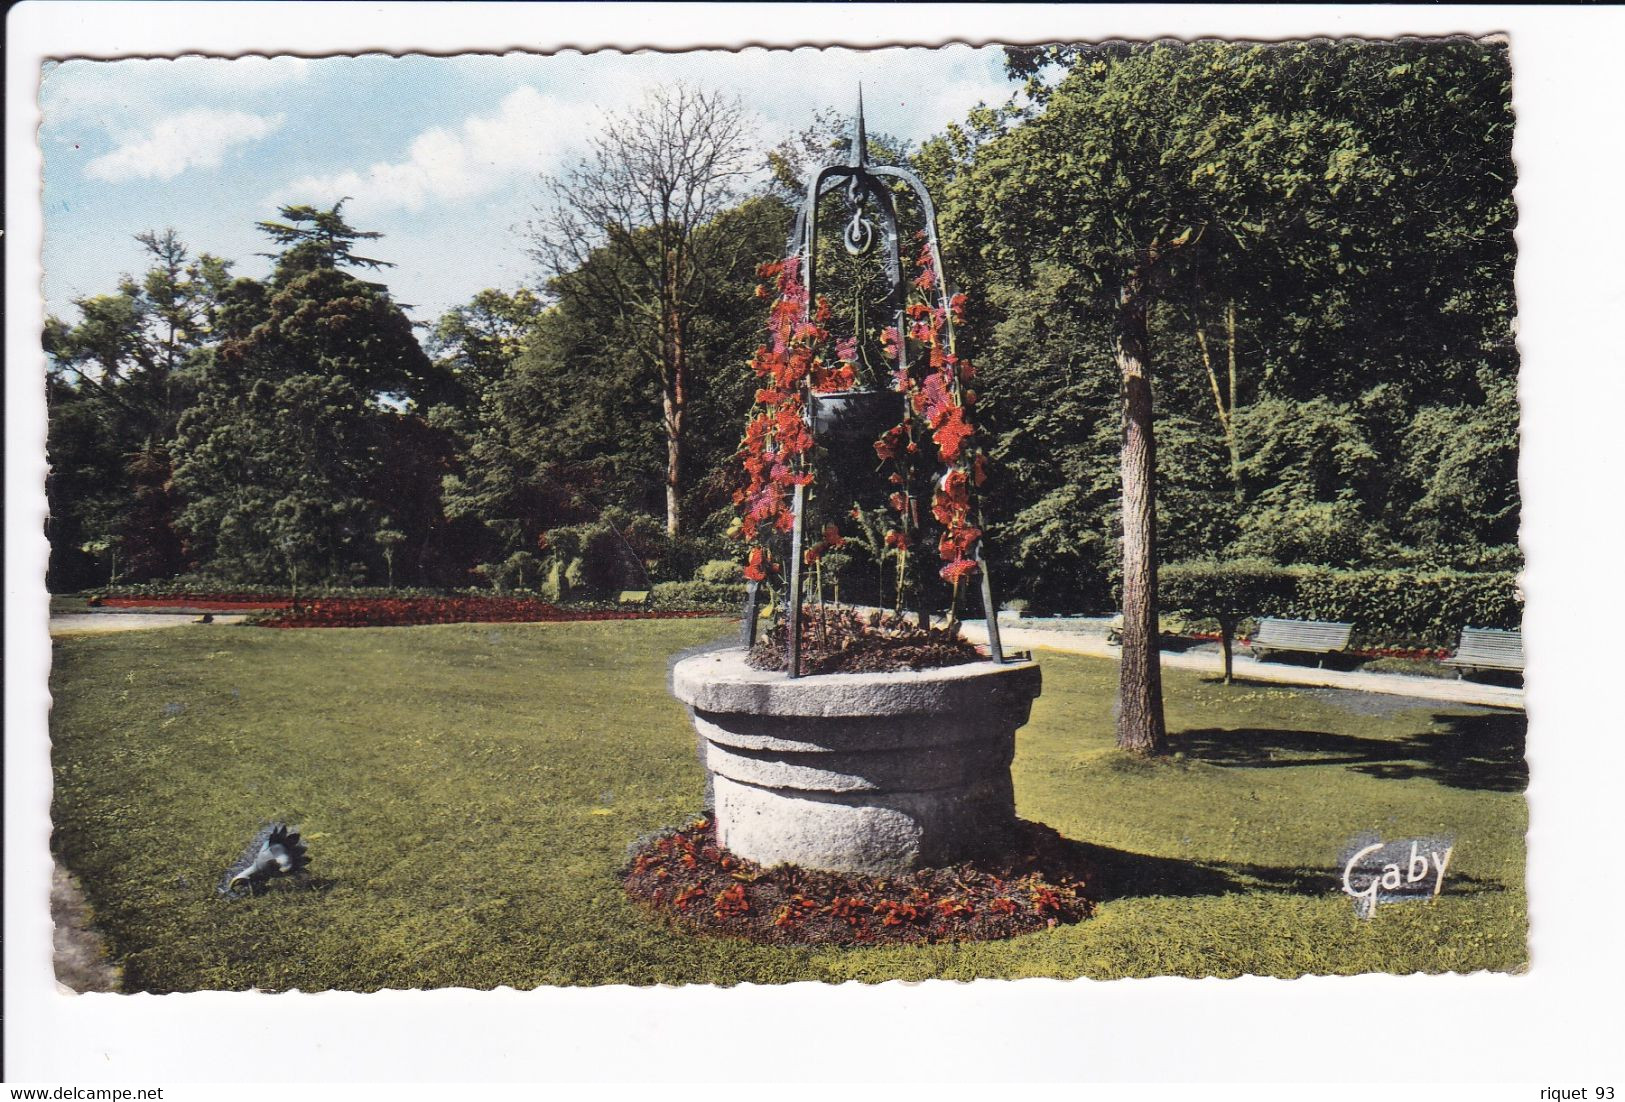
(1124, 875)
(1119, 874)
(1477, 752)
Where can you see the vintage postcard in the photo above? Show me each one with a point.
(547, 519)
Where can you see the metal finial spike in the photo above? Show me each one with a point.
(860, 138)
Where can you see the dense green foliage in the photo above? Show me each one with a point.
(119, 381)
(297, 446)
(1320, 235)
(468, 793)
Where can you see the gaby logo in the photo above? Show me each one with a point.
(1376, 872)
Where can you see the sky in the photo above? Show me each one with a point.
(440, 154)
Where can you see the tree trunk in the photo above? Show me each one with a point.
(1140, 725)
(674, 456)
(675, 405)
(1225, 413)
(1227, 632)
(1230, 417)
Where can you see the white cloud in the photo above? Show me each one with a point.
(191, 139)
(139, 90)
(529, 133)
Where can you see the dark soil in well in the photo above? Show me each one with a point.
(1035, 883)
(841, 640)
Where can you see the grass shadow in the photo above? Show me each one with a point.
(1483, 753)
(1119, 874)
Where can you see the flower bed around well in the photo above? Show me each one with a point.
(837, 640)
(684, 877)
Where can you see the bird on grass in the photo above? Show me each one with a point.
(275, 851)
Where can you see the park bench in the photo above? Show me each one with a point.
(1488, 649)
(1300, 636)
(638, 597)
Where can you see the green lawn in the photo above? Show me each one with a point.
(469, 791)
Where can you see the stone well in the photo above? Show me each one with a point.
(873, 773)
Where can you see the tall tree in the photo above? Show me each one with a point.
(477, 342)
(654, 178)
(574, 423)
(119, 379)
(1146, 165)
(293, 452)
(313, 238)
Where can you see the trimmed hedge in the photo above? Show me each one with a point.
(1403, 608)
(694, 596)
(1407, 607)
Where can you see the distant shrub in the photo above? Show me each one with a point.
(1224, 591)
(696, 596)
(721, 572)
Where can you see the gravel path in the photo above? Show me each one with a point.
(80, 623)
(1245, 667)
(81, 959)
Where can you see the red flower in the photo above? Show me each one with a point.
(952, 434)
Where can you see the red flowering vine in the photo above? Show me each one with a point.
(935, 382)
(927, 372)
(777, 437)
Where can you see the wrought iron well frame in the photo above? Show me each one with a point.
(863, 180)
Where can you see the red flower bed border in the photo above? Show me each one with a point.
(685, 878)
(357, 612)
(374, 612)
(1420, 654)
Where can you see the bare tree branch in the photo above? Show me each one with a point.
(618, 232)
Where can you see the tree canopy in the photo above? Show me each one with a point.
(1283, 272)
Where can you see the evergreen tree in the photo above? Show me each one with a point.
(118, 382)
(285, 457)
